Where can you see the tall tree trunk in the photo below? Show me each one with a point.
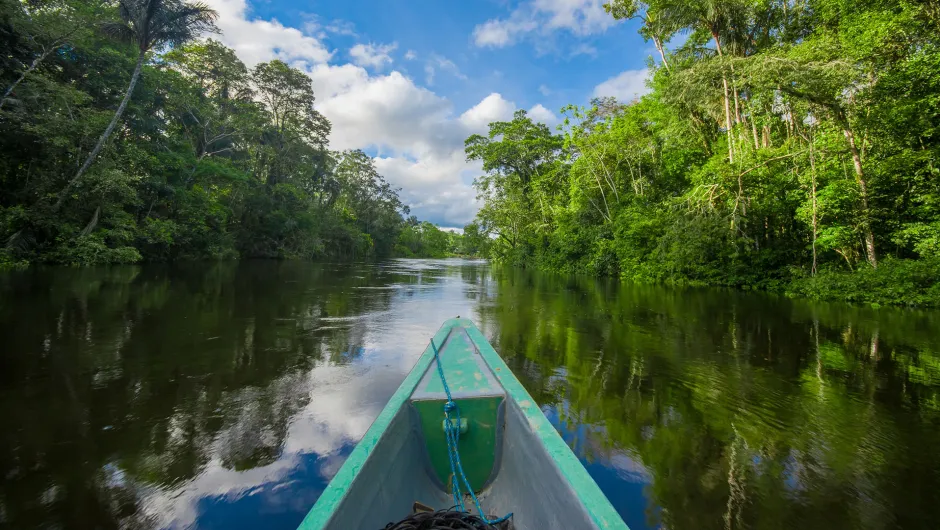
(724, 82)
(754, 132)
(812, 166)
(662, 52)
(32, 66)
(107, 132)
(863, 194)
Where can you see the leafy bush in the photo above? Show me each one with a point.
(895, 281)
(92, 249)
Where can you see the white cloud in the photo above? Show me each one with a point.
(342, 27)
(256, 40)
(435, 186)
(496, 108)
(411, 55)
(544, 90)
(439, 63)
(498, 33)
(429, 74)
(493, 108)
(580, 17)
(447, 65)
(417, 134)
(627, 86)
(315, 26)
(542, 114)
(389, 112)
(372, 55)
(584, 49)
(330, 81)
(419, 140)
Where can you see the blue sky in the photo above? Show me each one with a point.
(408, 80)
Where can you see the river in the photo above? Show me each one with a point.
(227, 395)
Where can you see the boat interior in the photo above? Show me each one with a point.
(502, 457)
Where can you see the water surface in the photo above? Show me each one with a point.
(227, 395)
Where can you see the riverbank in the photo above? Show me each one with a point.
(748, 167)
(896, 282)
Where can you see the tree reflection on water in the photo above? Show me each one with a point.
(227, 395)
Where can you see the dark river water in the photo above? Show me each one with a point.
(227, 395)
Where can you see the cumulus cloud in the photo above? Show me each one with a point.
(580, 17)
(415, 131)
(373, 55)
(417, 134)
(388, 112)
(627, 86)
(435, 186)
(411, 55)
(542, 114)
(256, 40)
(496, 108)
(493, 108)
(497, 33)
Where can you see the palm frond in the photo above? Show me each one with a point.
(155, 7)
(127, 10)
(118, 31)
(182, 22)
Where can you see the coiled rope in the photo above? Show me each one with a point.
(444, 520)
(452, 433)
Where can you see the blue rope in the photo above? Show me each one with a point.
(452, 433)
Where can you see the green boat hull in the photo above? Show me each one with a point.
(512, 456)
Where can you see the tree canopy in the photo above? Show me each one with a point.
(786, 146)
(126, 138)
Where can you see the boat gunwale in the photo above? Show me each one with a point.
(325, 506)
(594, 501)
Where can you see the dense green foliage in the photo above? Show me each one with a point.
(786, 146)
(125, 138)
(426, 240)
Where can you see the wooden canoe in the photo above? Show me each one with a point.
(511, 454)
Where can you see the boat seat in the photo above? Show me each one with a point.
(481, 401)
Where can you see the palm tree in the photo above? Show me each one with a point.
(150, 24)
(712, 16)
(657, 26)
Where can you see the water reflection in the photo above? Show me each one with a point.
(732, 410)
(210, 396)
(227, 395)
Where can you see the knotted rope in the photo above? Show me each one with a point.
(452, 433)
